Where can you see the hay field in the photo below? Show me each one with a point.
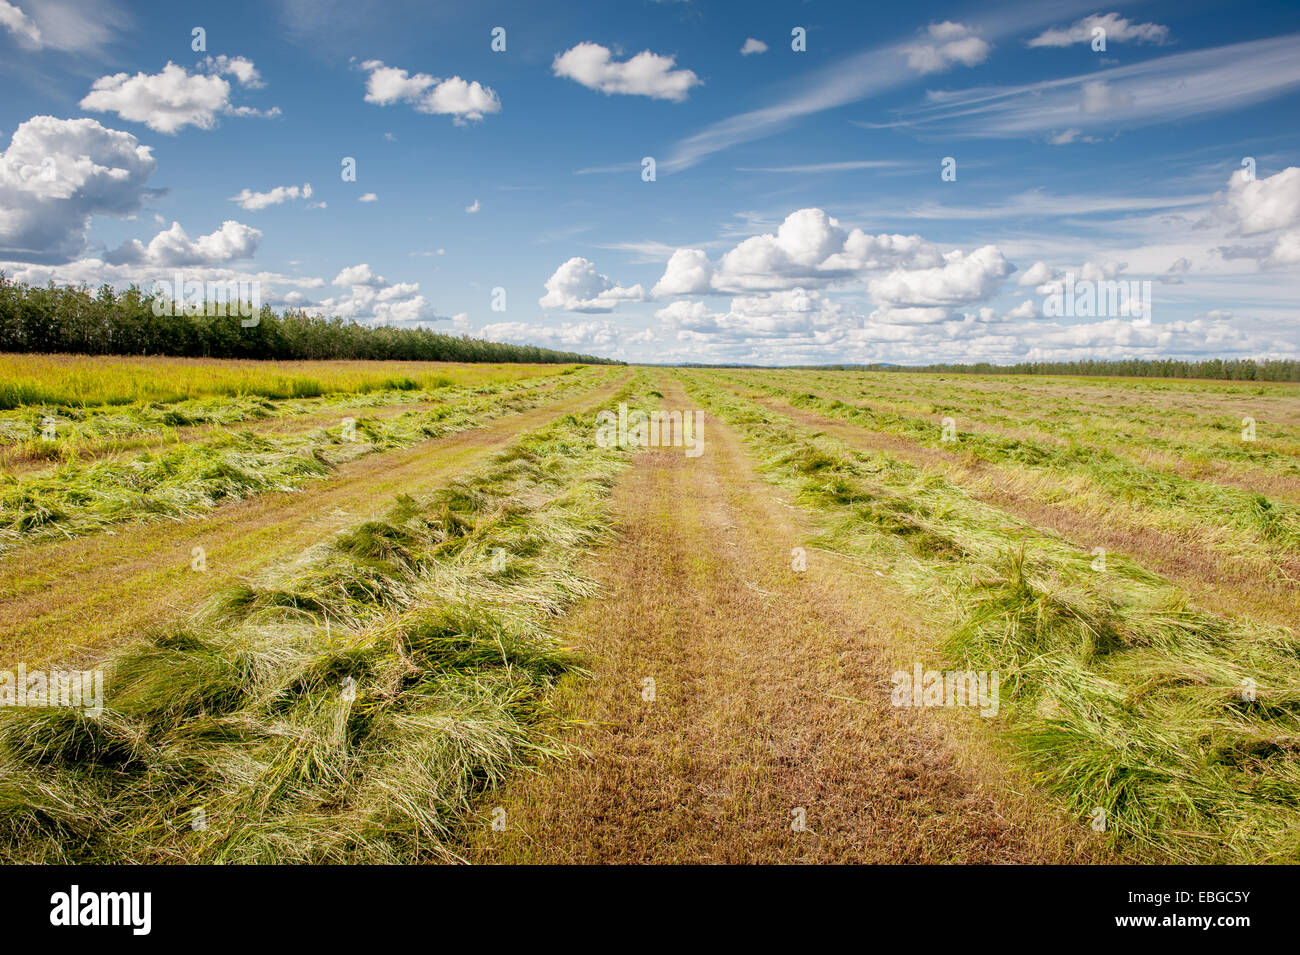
(427, 613)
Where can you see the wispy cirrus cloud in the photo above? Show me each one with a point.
(864, 75)
(1037, 203)
(69, 26)
(18, 23)
(827, 166)
(1161, 90)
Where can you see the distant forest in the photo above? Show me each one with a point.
(108, 322)
(1235, 369)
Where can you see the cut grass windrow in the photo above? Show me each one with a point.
(188, 479)
(346, 709)
(1187, 505)
(63, 433)
(1203, 435)
(54, 431)
(1182, 726)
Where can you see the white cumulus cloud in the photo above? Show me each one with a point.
(1118, 30)
(252, 201)
(1026, 309)
(372, 299)
(359, 275)
(646, 74)
(1271, 204)
(455, 97)
(169, 100)
(1262, 205)
(947, 43)
(924, 295)
(797, 315)
(1037, 274)
(241, 68)
(687, 273)
(1098, 97)
(70, 26)
(810, 248)
(56, 174)
(1287, 249)
(566, 336)
(577, 286)
(173, 247)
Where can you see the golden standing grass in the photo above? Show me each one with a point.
(114, 380)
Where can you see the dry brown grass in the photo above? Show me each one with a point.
(772, 694)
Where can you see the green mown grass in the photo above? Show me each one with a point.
(1255, 522)
(1118, 692)
(1063, 412)
(186, 479)
(347, 709)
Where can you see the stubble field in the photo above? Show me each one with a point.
(361, 612)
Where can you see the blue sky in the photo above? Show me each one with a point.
(798, 212)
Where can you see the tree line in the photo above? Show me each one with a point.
(73, 319)
(1233, 369)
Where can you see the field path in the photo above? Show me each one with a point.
(771, 702)
(69, 600)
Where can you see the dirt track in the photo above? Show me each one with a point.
(771, 703)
